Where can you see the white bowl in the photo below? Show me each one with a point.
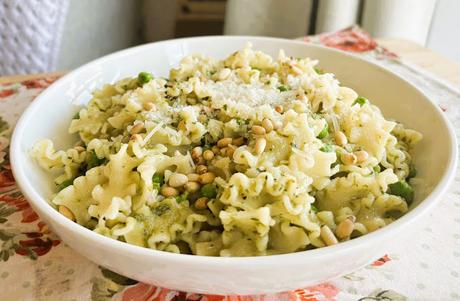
(50, 114)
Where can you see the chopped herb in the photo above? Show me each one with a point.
(239, 121)
(327, 148)
(161, 209)
(76, 116)
(402, 189)
(324, 132)
(182, 197)
(340, 174)
(92, 160)
(282, 88)
(208, 191)
(65, 184)
(360, 100)
(376, 168)
(319, 70)
(412, 172)
(158, 181)
(144, 77)
(225, 106)
(313, 208)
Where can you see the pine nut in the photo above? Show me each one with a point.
(66, 212)
(327, 236)
(200, 161)
(348, 159)
(279, 109)
(201, 203)
(231, 150)
(258, 130)
(201, 169)
(168, 191)
(340, 138)
(150, 106)
(208, 155)
(136, 137)
(207, 178)
(260, 145)
(361, 155)
(224, 142)
(223, 151)
(192, 187)
(181, 126)
(238, 141)
(79, 148)
(197, 152)
(345, 228)
(267, 125)
(193, 177)
(137, 128)
(177, 180)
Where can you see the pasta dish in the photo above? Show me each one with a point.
(244, 156)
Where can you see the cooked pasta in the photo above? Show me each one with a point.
(244, 156)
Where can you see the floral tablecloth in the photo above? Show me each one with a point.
(36, 265)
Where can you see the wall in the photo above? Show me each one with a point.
(444, 37)
(97, 27)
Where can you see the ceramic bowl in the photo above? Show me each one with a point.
(50, 114)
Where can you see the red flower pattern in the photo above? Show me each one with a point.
(21, 204)
(381, 261)
(7, 92)
(40, 83)
(6, 178)
(350, 39)
(36, 245)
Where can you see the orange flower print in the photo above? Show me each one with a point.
(21, 204)
(381, 261)
(350, 39)
(324, 291)
(146, 292)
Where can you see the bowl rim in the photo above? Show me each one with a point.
(49, 212)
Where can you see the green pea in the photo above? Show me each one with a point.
(313, 208)
(360, 100)
(144, 77)
(158, 181)
(209, 191)
(76, 116)
(282, 88)
(65, 184)
(327, 148)
(402, 189)
(376, 168)
(324, 132)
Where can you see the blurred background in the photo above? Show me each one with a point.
(42, 36)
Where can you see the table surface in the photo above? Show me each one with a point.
(425, 58)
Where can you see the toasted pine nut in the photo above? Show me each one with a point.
(168, 191)
(231, 150)
(66, 212)
(177, 180)
(136, 137)
(201, 169)
(260, 145)
(238, 141)
(215, 149)
(345, 228)
(224, 142)
(192, 186)
(200, 161)
(150, 106)
(340, 138)
(258, 130)
(267, 124)
(348, 159)
(197, 152)
(224, 74)
(201, 203)
(361, 155)
(279, 109)
(137, 128)
(79, 148)
(193, 177)
(208, 155)
(223, 151)
(207, 178)
(202, 118)
(327, 236)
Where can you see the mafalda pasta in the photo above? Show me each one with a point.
(244, 156)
